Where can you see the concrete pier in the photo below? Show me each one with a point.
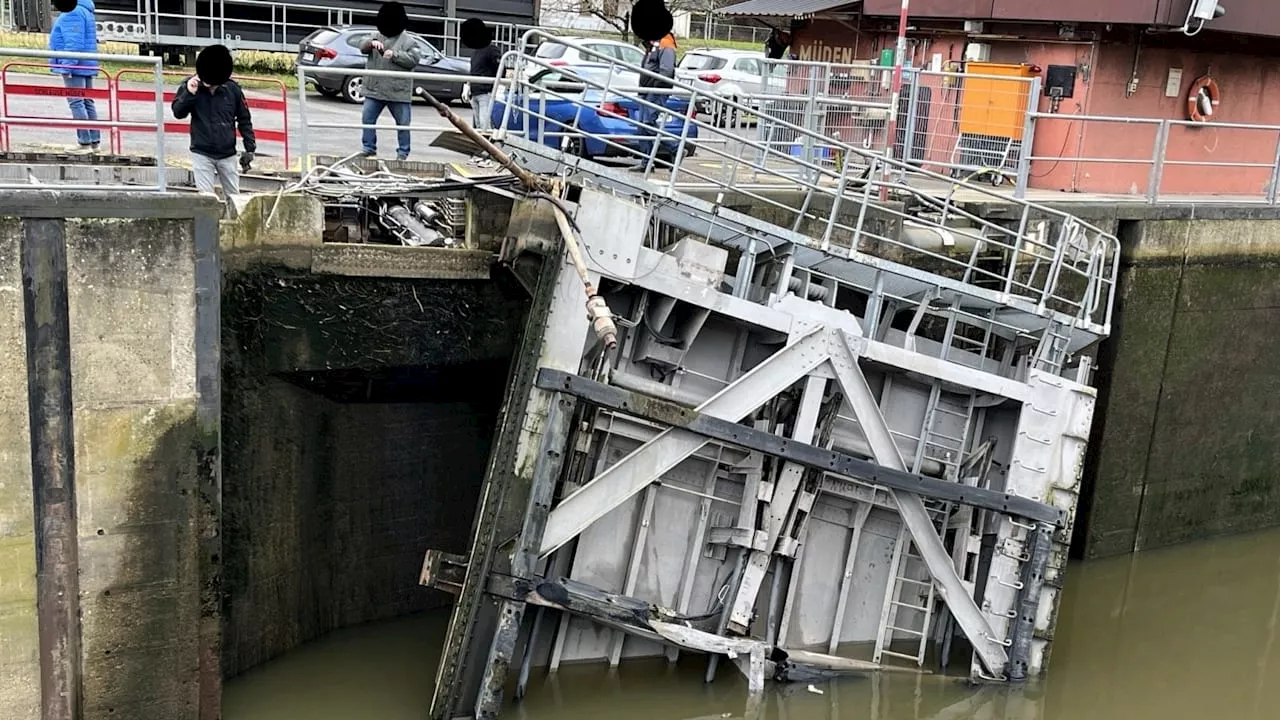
(111, 488)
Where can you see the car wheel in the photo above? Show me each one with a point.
(353, 90)
(577, 147)
(666, 158)
(726, 117)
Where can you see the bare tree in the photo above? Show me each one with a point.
(613, 15)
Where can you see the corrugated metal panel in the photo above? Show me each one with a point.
(785, 8)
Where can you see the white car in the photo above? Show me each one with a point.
(737, 75)
(556, 54)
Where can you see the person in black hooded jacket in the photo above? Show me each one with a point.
(486, 61)
(217, 107)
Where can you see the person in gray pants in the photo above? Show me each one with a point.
(217, 108)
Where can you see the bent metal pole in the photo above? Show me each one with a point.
(526, 178)
(895, 97)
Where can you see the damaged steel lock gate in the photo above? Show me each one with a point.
(643, 619)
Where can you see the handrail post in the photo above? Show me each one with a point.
(161, 180)
(1027, 148)
(689, 118)
(913, 109)
(835, 202)
(1275, 175)
(1157, 162)
(304, 153)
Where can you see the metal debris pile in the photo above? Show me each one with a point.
(389, 207)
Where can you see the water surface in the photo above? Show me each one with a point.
(1186, 633)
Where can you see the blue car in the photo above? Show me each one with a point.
(581, 118)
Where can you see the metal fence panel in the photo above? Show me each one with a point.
(965, 125)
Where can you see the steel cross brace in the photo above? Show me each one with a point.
(831, 350)
(671, 447)
(833, 461)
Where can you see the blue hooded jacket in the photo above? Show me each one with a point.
(75, 31)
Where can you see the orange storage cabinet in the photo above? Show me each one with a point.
(993, 107)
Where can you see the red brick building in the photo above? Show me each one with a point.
(1132, 59)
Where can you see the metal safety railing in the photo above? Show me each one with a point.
(307, 124)
(277, 106)
(113, 125)
(849, 104)
(967, 125)
(269, 25)
(1057, 261)
(1156, 159)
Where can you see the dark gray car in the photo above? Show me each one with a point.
(339, 46)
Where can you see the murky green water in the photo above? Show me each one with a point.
(1185, 633)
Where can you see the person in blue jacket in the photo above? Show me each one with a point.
(75, 31)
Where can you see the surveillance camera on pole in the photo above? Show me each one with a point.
(1201, 12)
(1207, 10)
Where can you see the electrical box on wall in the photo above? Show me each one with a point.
(1060, 81)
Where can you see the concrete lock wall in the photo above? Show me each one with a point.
(1187, 441)
(361, 385)
(108, 459)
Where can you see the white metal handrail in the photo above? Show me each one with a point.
(161, 107)
(1049, 284)
(1158, 160)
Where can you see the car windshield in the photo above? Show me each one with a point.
(695, 61)
(322, 37)
(551, 50)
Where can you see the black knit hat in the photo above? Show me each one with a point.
(474, 34)
(65, 6)
(392, 19)
(651, 20)
(214, 65)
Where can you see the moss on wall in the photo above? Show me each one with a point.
(1187, 444)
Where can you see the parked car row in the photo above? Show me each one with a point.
(737, 75)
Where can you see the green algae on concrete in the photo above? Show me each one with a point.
(1188, 443)
(19, 630)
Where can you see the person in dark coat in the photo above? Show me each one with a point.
(659, 60)
(486, 61)
(652, 22)
(391, 48)
(217, 107)
(775, 48)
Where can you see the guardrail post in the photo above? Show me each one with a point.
(1027, 148)
(1275, 175)
(161, 179)
(811, 119)
(909, 135)
(1157, 162)
(304, 160)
